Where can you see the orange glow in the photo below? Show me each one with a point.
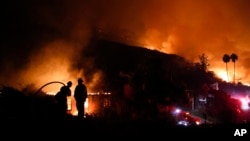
(186, 28)
(222, 74)
(152, 42)
(171, 45)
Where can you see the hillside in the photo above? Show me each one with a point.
(115, 59)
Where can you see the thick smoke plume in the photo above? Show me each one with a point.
(42, 40)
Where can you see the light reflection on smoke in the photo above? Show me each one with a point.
(186, 28)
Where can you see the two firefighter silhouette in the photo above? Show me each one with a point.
(80, 95)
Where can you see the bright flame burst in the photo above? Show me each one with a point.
(222, 74)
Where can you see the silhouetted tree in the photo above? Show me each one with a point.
(226, 59)
(234, 58)
(203, 62)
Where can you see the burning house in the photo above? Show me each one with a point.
(95, 105)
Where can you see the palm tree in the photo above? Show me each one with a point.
(226, 59)
(234, 58)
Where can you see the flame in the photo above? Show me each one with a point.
(91, 105)
(186, 28)
(216, 64)
(221, 73)
(152, 41)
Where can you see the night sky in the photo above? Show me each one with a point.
(41, 40)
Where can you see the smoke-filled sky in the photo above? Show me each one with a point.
(42, 40)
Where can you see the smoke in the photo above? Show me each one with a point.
(42, 40)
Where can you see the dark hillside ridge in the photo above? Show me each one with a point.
(113, 58)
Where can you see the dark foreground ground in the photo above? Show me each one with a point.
(103, 129)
